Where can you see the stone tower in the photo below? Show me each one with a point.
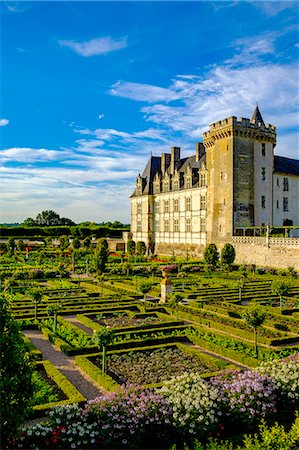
(240, 166)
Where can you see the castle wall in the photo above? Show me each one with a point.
(280, 256)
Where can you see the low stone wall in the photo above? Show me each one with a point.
(181, 250)
(262, 255)
(280, 256)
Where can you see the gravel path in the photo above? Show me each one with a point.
(78, 324)
(65, 364)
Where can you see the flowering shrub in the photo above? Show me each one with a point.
(171, 268)
(66, 427)
(285, 374)
(247, 396)
(132, 418)
(194, 402)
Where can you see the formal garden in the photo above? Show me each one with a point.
(214, 367)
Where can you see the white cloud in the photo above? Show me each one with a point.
(4, 122)
(100, 46)
(226, 91)
(143, 92)
(29, 154)
(101, 116)
(273, 8)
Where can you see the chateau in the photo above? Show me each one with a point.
(233, 181)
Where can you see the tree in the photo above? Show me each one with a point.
(29, 222)
(101, 280)
(36, 296)
(140, 248)
(16, 388)
(101, 254)
(48, 218)
(63, 242)
(10, 245)
(228, 254)
(20, 245)
(254, 317)
(280, 288)
(144, 287)
(211, 255)
(53, 310)
(131, 247)
(173, 301)
(102, 338)
(87, 242)
(76, 243)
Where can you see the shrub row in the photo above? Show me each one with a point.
(72, 394)
(96, 373)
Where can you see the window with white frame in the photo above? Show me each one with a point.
(139, 208)
(175, 185)
(176, 225)
(188, 182)
(176, 205)
(285, 204)
(188, 225)
(203, 179)
(202, 202)
(203, 224)
(166, 226)
(139, 225)
(188, 204)
(166, 206)
(157, 206)
(285, 184)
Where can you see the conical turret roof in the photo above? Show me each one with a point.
(257, 117)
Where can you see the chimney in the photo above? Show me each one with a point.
(165, 162)
(200, 150)
(175, 158)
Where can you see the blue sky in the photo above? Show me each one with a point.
(90, 89)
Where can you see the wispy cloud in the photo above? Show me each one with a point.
(16, 7)
(143, 92)
(273, 8)
(101, 116)
(4, 122)
(99, 46)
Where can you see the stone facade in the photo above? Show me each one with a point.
(233, 181)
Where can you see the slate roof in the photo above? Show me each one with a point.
(257, 117)
(286, 165)
(153, 166)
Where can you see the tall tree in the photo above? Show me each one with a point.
(100, 257)
(140, 248)
(101, 339)
(280, 288)
(144, 287)
(254, 317)
(36, 296)
(15, 376)
(228, 254)
(211, 255)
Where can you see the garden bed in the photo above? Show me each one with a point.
(152, 366)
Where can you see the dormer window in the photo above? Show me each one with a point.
(203, 179)
(139, 186)
(188, 182)
(175, 185)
